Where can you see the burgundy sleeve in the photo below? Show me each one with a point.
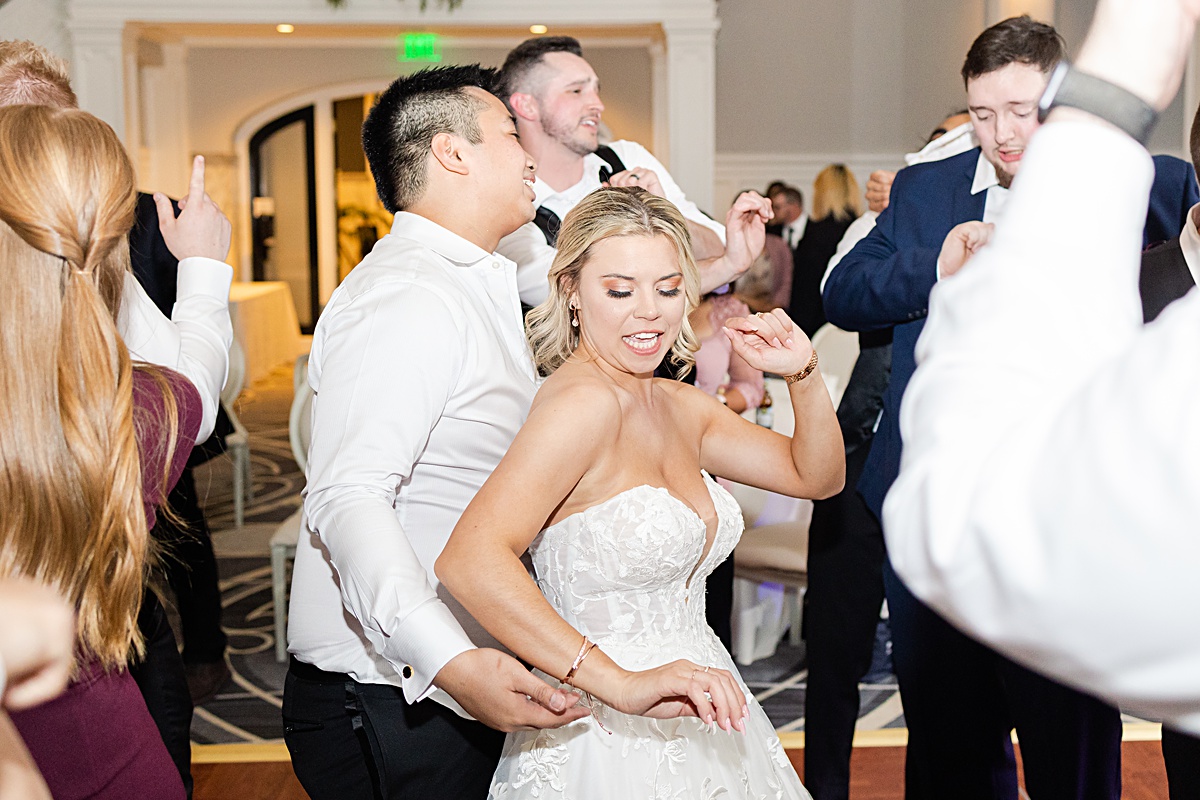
(153, 438)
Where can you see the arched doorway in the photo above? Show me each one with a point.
(283, 206)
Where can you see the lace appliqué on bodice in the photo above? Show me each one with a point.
(629, 573)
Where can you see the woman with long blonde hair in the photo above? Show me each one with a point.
(837, 201)
(89, 442)
(607, 485)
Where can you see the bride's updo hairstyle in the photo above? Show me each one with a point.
(604, 214)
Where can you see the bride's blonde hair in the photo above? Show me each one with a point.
(604, 214)
(71, 513)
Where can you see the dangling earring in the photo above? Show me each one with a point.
(574, 317)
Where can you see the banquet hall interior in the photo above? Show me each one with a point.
(728, 94)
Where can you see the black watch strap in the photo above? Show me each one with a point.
(1070, 87)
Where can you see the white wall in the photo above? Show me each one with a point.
(219, 97)
(41, 21)
(799, 83)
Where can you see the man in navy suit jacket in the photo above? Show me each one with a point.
(961, 700)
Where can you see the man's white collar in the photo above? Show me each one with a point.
(985, 176)
(1189, 243)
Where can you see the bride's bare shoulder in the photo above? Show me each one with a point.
(572, 396)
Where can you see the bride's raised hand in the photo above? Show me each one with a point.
(770, 342)
(685, 689)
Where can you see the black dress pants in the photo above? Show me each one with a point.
(191, 569)
(1181, 754)
(718, 602)
(160, 677)
(360, 741)
(841, 613)
(962, 699)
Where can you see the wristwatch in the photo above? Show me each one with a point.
(1109, 102)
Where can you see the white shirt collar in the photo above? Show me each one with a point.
(1189, 243)
(954, 141)
(985, 176)
(587, 183)
(793, 232)
(445, 243)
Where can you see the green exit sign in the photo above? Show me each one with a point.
(418, 47)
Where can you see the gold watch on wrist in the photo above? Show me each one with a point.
(804, 373)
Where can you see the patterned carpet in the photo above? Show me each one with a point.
(247, 709)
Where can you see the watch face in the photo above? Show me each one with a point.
(1052, 86)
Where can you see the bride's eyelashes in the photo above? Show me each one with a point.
(619, 295)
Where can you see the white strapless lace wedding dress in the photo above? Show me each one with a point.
(625, 574)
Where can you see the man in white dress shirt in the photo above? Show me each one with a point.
(1047, 501)
(554, 96)
(422, 377)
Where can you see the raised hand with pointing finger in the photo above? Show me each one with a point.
(200, 229)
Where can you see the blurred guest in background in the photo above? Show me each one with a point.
(837, 202)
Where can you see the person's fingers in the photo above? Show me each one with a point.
(737, 340)
(735, 698)
(166, 215)
(196, 185)
(742, 324)
(783, 319)
(773, 330)
(182, 203)
(700, 698)
(528, 715)
(741, 341)
(37, 688)
(718, 695)
(542, 693)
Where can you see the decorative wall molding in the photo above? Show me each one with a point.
(393, 12)
(685, 72)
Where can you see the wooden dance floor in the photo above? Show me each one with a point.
(877, 773)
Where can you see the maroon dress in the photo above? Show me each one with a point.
(96, 740)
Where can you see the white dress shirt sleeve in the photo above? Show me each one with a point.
(389, 363)
(857, 231)
(195, 341)
(527, 248)
(1048, 499)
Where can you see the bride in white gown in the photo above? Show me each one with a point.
(607, 486)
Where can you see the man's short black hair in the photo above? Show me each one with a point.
(399, 130)
(523, 58)
(793, 195)
(1017, 40)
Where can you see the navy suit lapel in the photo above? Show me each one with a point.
(968, 206)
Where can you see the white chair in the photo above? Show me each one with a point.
(838, 351)
(283, 541)
(237, 444)
(774, 549)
